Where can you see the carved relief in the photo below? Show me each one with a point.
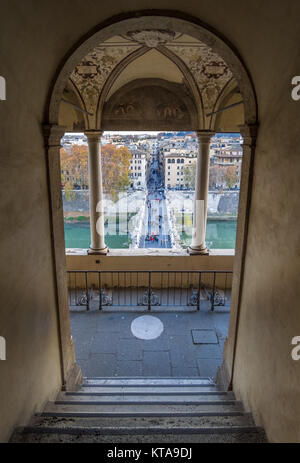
(152, 38)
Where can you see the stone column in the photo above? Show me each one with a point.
(97, 245)
(70, 371)
(198, 245)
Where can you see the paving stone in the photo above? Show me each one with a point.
(129, 368)
(82, 349)
(160, 343)
(208, 351)
(102, 365)
(204, 337)
(104, 343)
(208, 367)
(129, 349)
(175, 324)
(182, 359)
(108, 323)
(181, 342)
(156, 363)
(101, 337)
(184, 371)
(200, 320)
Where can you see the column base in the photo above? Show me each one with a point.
(102, 251)
(197, 251)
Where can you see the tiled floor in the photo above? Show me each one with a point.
(105, 345)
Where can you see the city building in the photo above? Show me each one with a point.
(138, 168)
(175, 162)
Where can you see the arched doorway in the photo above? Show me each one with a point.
(101, 86)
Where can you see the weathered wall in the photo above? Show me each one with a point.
(35, 37)
(31, 373)
(265, 376)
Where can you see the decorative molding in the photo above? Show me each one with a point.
(209, 70)
(152, 38)
(91, 73)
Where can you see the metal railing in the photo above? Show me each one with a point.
(149, 289)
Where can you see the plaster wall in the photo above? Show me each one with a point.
(35, 38)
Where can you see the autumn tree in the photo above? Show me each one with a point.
(231, 176)
(115, 169)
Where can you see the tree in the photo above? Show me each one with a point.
(231, 176)
(189, 175)
(216, 176)
(115, 169)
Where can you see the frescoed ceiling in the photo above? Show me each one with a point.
(153, 55)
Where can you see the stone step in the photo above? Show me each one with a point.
(125, 409)
(70, 398)
(142, 422)
(207, 435)
(142, 381)
(163, 390)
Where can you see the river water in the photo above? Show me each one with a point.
(220, 234)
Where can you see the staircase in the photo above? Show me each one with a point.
(154, 410)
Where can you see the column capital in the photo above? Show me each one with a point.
(93, 135)
(204, 136)
(53, 134)
(249, 134)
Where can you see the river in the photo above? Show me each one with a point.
(220, 234)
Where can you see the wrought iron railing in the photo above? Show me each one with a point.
(159, 289)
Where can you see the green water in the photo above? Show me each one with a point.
(219, 235)
(77, 235)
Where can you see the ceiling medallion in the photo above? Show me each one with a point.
(152, 38)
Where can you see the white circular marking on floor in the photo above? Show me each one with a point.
(147, 327)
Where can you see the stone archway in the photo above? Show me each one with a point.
(149, 29)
